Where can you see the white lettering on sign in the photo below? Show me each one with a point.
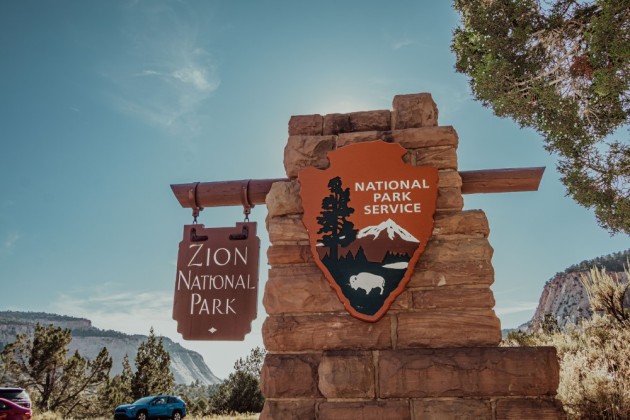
(392, 208)
(393, 197)
(200, 305)
(389, 197)
(210, 282)
(403, 184)
(199, 246)
(220, 257)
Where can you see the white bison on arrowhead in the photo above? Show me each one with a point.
(367, 282)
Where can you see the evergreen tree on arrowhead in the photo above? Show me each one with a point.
(561, 67)
(333, 219)
(153, 369)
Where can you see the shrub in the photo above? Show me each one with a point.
(240, 392)
(594, 356)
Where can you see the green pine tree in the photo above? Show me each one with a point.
(67, 385)
(240, 392)
(153, 369)
(117, 391)
(561, 67)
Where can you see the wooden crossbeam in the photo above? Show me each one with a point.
(501, 180)
(235, 193)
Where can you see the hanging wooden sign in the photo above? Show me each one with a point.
(369, 217)
(216, 286)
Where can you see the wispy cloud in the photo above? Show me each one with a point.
(148, 73)
(401, 43)
(114, 306)
(514, 308)
(197, 77)
(166, 72)
(8, 243)
(110, 307)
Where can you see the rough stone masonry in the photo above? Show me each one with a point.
(435, 354)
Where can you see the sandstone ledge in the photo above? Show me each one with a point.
(325, 332)
(368, 410)
(347, 374)
(468, 372)
(411, 138)
(448, 328)
(292, 376)
(303, 409)
(357, 122)
(545, 408)
(414, 110)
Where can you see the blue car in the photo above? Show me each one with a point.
(152, 407)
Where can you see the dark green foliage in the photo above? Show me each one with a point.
(118, 390)
(97, 332)
(240, 392)
(519, 338)
(608, 293)
(563, 68)
(253, 363)
(73, 386)
(549, 324)
(195, 390)
(196, 396)
(56, 382)
(33, 317)
(594, 368)
(614, 262)
(153, 374)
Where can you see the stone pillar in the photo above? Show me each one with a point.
(435, 354)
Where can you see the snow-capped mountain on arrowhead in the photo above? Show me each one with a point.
(392, 230)
(382, 239)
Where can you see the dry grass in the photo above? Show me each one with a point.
(251, 416)
(225, 417)
(594, 368)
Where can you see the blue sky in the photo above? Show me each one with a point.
(103, 105)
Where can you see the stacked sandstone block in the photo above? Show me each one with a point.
(434, 355)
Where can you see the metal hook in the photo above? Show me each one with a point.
(247, 204)
(197, 238)
(192, 200)
(240, 236)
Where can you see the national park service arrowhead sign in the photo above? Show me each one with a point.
(369, 217)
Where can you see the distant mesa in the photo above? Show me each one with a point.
(187, 366)
(564, 297)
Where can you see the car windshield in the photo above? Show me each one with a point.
(143, 400)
